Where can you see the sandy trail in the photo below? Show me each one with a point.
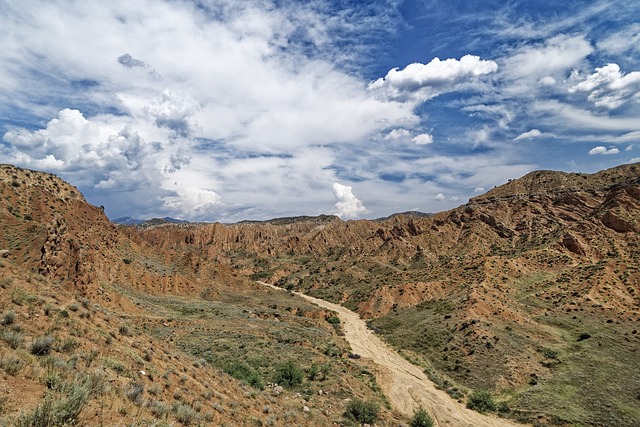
(406, 386)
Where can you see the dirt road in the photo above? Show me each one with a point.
(406, 386)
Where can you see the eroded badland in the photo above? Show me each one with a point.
(529, 292)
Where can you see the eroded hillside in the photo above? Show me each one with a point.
(100, 329)
(530, 291)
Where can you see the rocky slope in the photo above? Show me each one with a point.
(530, 291)
(498, 294)
(100, 329)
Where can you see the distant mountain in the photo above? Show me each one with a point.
(127, 220)
(294, 219)
(415, 214)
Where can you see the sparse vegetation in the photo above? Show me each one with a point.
(244, 372)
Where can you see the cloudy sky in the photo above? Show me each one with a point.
(224, 110)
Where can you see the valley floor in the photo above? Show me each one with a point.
(406, 386)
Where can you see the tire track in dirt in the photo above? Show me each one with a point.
(406, 386)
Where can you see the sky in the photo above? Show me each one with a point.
(225, 110)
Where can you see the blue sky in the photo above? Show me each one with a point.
(225, 110)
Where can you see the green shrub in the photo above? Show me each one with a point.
(421, 419)
(244, 372)
(481, 401)
(334, 320)
(41, 346)
(288, 374)
(361, 411)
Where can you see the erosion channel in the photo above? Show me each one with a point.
(406, 386)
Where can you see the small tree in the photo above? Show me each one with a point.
(288, 374)
(481, 401)
(361, 411)
(421, 419)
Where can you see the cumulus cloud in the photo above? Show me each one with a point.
(603, 150)
(608, 87)
(422, 139)
(439, 196)
(547, 81)
(397, 135)
(348, 205)
(174, 111)
(421, 82)
(533, 133)
(194, 202)
(479, 190)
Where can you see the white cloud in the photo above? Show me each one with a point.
(421, 82)
(603, 150)
(479, 190)
(439, 196)
(397, 135)
(570, 117)
(348, 205)
(533, 133)
(193, 202)
(634, 160)
(629, 148)
(608, 87)
(554, 57)
(627, 137)
(547, 81)
(423, 139)
(623, 41)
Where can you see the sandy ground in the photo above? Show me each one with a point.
(406, 386)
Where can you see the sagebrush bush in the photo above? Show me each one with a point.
(135, 392)
(8, 318)
(56, 413)
(11, 364)
(41, 346)
(185, 414)
(13, 338)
